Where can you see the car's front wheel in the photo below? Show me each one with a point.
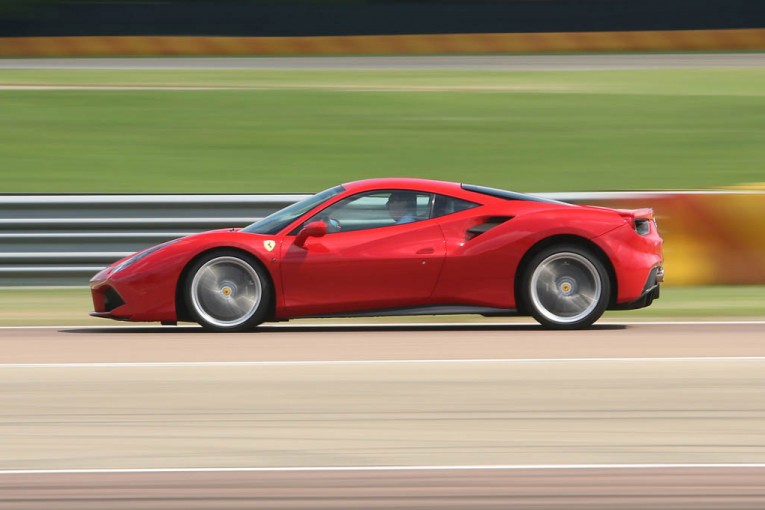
(227, 291)
(566, 287)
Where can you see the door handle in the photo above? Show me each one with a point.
(425, 251)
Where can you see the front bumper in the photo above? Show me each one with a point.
(107, 301)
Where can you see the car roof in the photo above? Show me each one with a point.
(480, 194)
(451, 188)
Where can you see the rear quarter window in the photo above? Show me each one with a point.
(444, 205)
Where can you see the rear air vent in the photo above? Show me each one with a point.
(483, 227)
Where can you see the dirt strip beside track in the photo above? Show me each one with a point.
(453, 62)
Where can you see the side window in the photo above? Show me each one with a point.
(376, 209)
(444, 205)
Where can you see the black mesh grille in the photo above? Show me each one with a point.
(112, 300)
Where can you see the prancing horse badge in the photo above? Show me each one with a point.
(270, 245)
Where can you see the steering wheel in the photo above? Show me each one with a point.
(333, 224)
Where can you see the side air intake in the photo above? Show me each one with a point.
(487, 224)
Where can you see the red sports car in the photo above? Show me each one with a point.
(396, 247)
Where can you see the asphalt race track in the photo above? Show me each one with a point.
(607, 489)
(625, 416)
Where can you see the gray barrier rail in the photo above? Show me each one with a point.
(54, 240)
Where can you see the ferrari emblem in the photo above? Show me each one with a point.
(270, 245)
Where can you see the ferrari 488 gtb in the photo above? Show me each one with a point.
(396, 247)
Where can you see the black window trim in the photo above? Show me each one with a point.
(508, 195)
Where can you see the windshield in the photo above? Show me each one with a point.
(275, 222)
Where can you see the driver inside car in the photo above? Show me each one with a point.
(402, 206)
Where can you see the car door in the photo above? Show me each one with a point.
(479, 266)
(366, 261)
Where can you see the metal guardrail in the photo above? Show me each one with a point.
(52, 240)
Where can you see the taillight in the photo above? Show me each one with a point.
(643, 226)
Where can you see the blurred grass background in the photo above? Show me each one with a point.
(258, 131)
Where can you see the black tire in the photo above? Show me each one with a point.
(566, 287)
(227, 290)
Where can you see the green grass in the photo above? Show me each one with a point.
(40, 307)
(724, 301)
(307, 130)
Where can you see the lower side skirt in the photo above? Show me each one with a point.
(486, 311)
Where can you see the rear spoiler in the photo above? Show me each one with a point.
(640, 219)
(636, 214)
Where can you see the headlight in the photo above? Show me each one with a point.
(138, 256)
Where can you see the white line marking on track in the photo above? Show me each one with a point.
(379, 468)
(203, 364)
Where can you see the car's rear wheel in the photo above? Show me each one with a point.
(566, 287)
(227, 291)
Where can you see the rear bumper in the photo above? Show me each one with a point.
(651, 291)
(636, 260)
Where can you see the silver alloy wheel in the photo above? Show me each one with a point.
(226, 291)
(565, 287)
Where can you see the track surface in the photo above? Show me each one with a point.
(304, 341)
(516, 62)
(607, 489)
(502, 396)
